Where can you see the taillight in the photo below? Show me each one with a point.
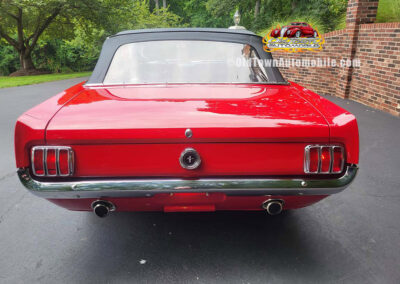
(52, 161)
(313, 163)
(37, 163)
(65, 164)
(338, 160)
(323, 159)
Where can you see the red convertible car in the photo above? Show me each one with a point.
(295, 29)
(168, 122)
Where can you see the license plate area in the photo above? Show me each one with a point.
(190, 201)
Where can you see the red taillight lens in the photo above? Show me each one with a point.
(38, 162)
(313, 160)
(324, 159)
(52, 161)
(338, 160)
(64, 162)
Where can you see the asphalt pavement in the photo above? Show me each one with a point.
(350, 237)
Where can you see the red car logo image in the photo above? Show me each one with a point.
(295, 29)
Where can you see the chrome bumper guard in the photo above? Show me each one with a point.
(149, 187)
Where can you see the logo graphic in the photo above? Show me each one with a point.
(295, 37)
(190, 159)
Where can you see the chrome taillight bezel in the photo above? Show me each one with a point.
(58, 150)
(319, 148)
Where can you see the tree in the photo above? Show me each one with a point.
(23, 22)
(249, 10)
(257, 8)
(140, 17)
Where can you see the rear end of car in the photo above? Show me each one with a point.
(188, 132)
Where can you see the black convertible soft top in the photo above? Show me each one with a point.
(112, 43)
(212, 30)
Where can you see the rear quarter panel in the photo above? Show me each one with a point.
(30, 127)
(343, 127)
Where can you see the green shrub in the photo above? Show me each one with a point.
(58, 56)
(9, 61)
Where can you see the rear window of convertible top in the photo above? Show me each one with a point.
(185, 61)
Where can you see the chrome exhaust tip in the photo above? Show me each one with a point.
(102, 208)
(273, 207)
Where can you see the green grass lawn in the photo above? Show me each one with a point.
(388, 11)
(6, 82)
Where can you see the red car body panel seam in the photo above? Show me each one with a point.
(77, 94)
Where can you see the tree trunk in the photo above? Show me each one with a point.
(293, 6)
(26, 62)
(257, 8)
(164, 4)
(157, 4)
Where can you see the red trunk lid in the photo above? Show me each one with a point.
(140, 130)
(161, 114)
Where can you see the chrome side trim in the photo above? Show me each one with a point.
(148, 187)
(113, 85)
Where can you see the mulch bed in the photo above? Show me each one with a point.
(28, 73)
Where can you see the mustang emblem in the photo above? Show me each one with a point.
(190, 159)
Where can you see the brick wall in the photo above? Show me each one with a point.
(322, 80)
(361, 12)
(376, 82)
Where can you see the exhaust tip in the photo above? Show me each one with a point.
(102, 208)
(273, 207)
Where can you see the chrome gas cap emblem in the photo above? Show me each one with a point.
(188, 133)
(190, 159)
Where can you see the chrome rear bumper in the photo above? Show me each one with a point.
(148, 187)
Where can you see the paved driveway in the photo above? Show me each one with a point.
(350, 237)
